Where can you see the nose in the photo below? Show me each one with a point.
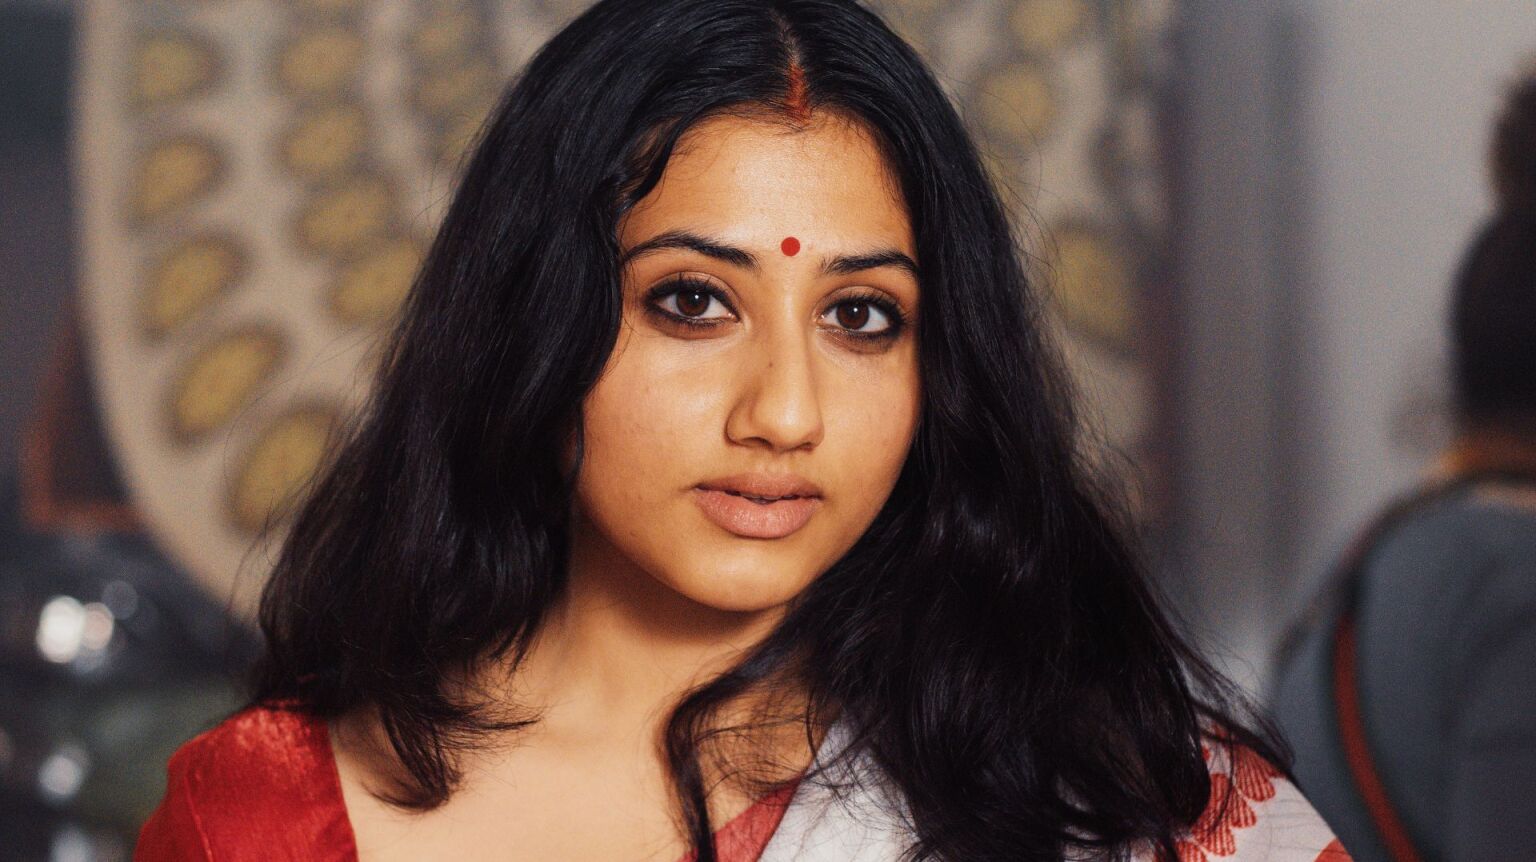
(778, 406)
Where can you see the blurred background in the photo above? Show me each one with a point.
(1247, 214)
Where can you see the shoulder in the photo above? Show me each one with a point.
(1468, 561)
(1255, 813)
(1458, 561)
(262, 784)
(1489, 522)
(255, 741)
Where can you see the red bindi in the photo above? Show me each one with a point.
(790, 246)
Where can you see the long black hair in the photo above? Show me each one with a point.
(992, 640)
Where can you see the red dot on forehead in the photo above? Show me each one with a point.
(790, 246)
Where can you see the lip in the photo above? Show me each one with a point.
(725, 502)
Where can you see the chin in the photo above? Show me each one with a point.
(736, 587)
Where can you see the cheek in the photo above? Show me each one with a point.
(870, 437)
(643, 420)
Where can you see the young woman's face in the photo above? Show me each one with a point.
(763, 393)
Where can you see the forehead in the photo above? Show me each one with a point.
(759, 179)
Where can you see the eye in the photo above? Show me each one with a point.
(690, 301)
(865, 316)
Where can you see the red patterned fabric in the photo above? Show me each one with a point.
(1334, 853)
(263, 786)
(1244, 789)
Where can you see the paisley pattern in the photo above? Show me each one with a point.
(188, 278)
(174, 173)
(172, 66)
(278, 464)
(220, 378)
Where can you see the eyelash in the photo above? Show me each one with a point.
(893, 314)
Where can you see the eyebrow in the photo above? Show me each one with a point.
(846, 264)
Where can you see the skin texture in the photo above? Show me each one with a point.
(660, 596)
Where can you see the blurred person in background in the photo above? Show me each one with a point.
(1409, 691)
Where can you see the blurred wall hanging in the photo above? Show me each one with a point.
(258, 181)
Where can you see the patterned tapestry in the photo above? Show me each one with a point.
(258, 181)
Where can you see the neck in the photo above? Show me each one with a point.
(621, 648)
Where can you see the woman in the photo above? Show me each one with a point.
(719, 473)
(1431, 751)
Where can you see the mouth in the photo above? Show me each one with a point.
(759, 499)
(763, 487)
(756, 512)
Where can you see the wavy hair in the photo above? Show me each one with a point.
(992, 641)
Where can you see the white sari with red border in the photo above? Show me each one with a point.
(1255, 815)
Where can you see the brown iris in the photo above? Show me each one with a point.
(853, 315)
(692, 303)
